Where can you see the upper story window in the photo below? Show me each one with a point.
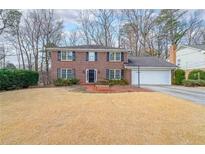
(115, 56)
(91, 56)
(67, 55)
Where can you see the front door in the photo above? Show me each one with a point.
(91, 76)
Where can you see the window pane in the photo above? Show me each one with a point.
(111, 56)
(118, 56)
(91, 56)
(111, 75)
(69, 56)
(118, 74)
(63, 73)
(63, 55)
(69, 74)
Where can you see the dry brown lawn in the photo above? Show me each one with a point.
(58, 116)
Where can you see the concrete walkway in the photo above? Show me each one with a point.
(192, 94)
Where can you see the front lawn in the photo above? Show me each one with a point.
(60, 116)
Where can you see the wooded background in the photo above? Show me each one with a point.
(26, 33)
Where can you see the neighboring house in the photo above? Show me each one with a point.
(92, 63)
(191, 57)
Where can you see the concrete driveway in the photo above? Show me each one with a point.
(192, 94)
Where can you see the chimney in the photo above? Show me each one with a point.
(172, 54)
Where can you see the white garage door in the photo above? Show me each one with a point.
(152, 77)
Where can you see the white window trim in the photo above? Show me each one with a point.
(115, 57)
(89, 56)
(66, 72)
(66, 56)
(115, 74)
(87, 75)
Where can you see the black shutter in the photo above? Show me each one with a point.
(74, 57)
(59, 56)
(58, 73)
(86, 56)
(122, 56)
(107, 56)
(107, 74)
(96, 56)
(122, 74)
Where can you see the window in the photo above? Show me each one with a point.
(118, 56)
(70, 56)
(115, 74)
(91, 56)
(69, 74)
(66, 73)
(67, 55)
(115, 56)
(63, 55)
(112, 74)
(63, 73)
(112, 56)
(178, 62)
(118, 74)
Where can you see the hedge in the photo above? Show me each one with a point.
(197, 74)
(16, 79)
(66, 82)
(178, 76)
(117, 82)
(193, 83)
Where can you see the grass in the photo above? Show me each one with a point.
(58, 116)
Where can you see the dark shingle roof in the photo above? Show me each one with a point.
(148, 62)
(90, 47)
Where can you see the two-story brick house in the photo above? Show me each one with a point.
(92, 63)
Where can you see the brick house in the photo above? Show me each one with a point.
(92, 63)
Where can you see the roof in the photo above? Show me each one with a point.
(197, 46)
(148, 62)
(87, 47)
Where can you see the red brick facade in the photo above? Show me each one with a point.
(80, 65)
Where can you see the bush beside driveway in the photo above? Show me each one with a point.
(58, 116)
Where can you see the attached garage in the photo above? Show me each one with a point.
(151, 77)
(150, 71)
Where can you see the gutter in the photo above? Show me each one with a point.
(86, 49)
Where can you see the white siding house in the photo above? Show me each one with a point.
(191, 57)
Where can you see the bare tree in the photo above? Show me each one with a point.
(8, 19)
(51, 35)
(98, 26)
(195, 32)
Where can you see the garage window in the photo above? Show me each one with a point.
(114, 74)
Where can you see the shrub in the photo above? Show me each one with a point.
(117, 82)
(178, 76)
(16, 79)
(74, 81)
(66, 82)
(193, 83)
(197, 75)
